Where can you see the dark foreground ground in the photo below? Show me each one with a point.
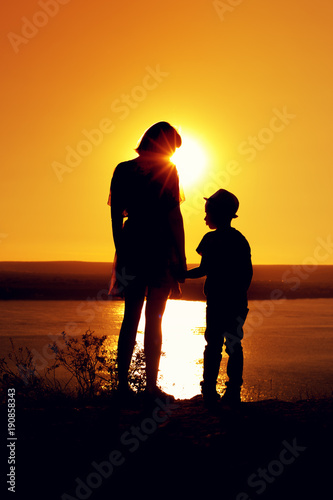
(264, 450)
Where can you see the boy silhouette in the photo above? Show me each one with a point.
(226, 263)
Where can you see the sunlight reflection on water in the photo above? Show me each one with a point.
(183, 343)
(181, 364)
(273, 367)
(288, 347)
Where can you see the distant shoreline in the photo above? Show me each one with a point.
(90, 281)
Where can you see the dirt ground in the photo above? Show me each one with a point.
(266, 449)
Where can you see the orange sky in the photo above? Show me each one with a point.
(251, 82)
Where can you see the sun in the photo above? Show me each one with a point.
(190, 160)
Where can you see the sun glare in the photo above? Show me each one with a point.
(183, 345)
(190, 160)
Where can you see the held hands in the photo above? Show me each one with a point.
(178, 271)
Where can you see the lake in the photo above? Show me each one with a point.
(288, 344)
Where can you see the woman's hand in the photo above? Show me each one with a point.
(178, 271)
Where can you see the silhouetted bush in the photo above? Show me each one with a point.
(91, 365)
(19, 371)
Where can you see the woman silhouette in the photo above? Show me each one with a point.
(148, 234)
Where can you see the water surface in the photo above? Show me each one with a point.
(288, 344)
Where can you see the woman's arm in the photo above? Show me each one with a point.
(117, 225)
(177, 230)
(117, 209)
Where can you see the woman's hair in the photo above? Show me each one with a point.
(160, 138)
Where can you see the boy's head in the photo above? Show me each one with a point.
(220, 208)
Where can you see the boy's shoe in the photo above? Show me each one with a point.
(211, 403)
(231, 398)
(210, 396)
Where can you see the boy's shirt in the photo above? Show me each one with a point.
(226, 261)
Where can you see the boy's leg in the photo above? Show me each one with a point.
(235, 366)
(233, 340)
(213, 351)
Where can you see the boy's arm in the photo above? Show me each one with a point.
(201, 271)
(196, 272)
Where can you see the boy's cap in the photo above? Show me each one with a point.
(224, 202)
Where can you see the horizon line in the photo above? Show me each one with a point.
(111, 262)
